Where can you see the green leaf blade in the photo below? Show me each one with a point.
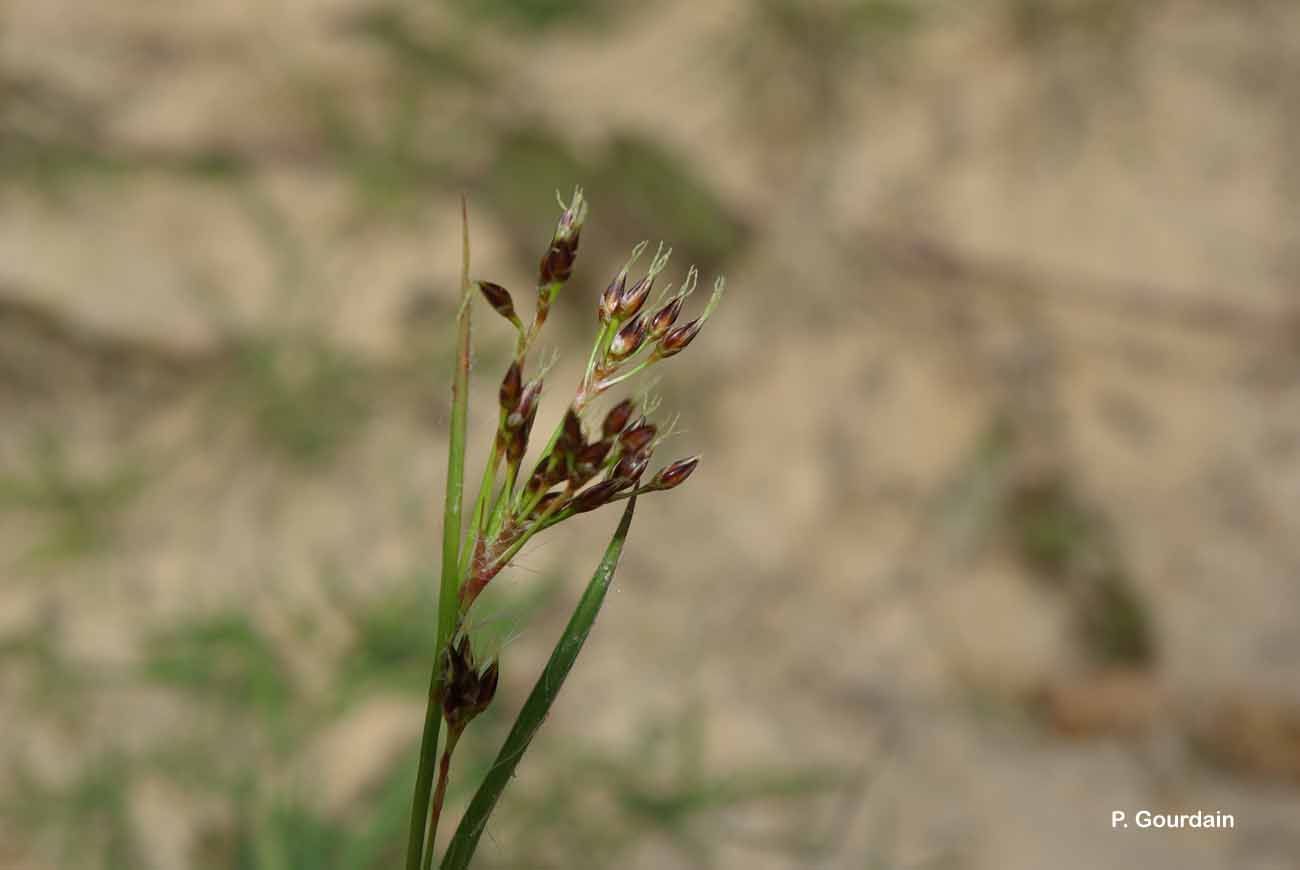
(449, 585)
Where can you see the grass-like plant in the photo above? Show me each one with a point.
(580, 469)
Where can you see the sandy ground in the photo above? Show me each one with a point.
(1004, 277)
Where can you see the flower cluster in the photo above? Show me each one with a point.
(581, 468)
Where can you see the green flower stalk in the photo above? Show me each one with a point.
(580, 469)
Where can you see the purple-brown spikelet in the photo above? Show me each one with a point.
(593, 455)
(677, 339)
(617, 418)
(632, 298)
(517, 438)
(665, 317)
(557, 263)
(610, 298)
(637, 438)
(571, 438)
(487, 686)
(526, 409)
(500, 300)
(467, 692)
(629, 468)
(592, 498)
(628, 339)
(674, 474)
(556, 266)
(512, 388)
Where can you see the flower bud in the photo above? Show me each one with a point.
(664, 318)
(610, 298)
(466, 692)
(511, 388)
(594, 497)
(632, 298)
(637, 438)
(526, 409)
(674, 474)
(517, 440)
(487, 685)
(557, 263)
(628, 339)
(630, 468)
(571, 440)
(499, 298)
(677, 339)
(616, 420)
(588, 461)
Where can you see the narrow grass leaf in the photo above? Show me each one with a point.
(449, 587)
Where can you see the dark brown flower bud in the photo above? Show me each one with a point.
(499, 298)
(571, 440)
(616, 419)
(632, 298)
(593, 455)
(517, 441)
(677, 339)
(461, 681)
(628, 339)
(526, 410)
(511, 388)
(557, 263)
(674, 474)
(487, 686)
(637, 438)
(609, 299)
(630, 468)
(462, 655)
(594, 497)
(664, 318)
(466, 692)
(588, 462)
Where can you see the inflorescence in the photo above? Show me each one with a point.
(581, 467)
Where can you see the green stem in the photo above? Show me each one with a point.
(449, 586)
(547, 688)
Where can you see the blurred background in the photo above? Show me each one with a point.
(997, 529)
